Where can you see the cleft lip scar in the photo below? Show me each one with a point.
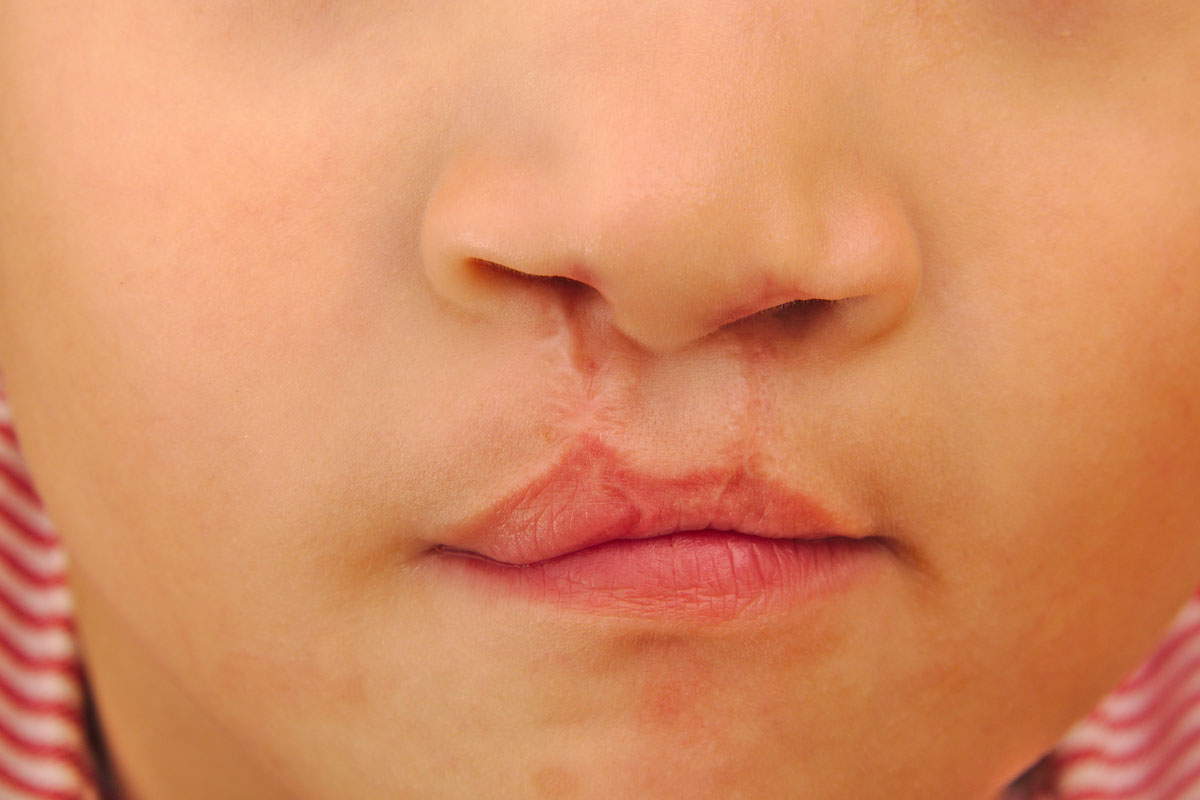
(590, 497)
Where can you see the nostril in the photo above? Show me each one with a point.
(793, 316)
(794, 308)
(489, 270)
(498, 274)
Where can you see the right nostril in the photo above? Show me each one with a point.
(495, 272)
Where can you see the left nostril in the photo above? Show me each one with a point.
(793, 307)
(793, 316)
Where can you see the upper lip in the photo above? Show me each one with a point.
(590, 497)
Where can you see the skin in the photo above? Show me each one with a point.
(259, 365)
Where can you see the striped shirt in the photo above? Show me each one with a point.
(1142, 742)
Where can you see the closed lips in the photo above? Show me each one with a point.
(596, 535)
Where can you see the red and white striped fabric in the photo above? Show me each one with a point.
(44, 752)
(1141, 743)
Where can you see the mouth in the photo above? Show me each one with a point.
(599, 536)
(701, 576)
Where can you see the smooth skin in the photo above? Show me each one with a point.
(288, 288)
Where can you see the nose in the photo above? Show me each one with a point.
(683, 198)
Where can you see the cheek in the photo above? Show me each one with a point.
(1046, 463)
(202, 269)
(1054, 15)
(1099, 351)
(178, 282)
(1068, 26)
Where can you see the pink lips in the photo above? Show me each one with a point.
(595, 535)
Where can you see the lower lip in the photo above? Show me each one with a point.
(704, 576)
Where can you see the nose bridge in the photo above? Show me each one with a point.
(680, 167)
(686, 144)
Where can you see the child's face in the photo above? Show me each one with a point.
(261, 370)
